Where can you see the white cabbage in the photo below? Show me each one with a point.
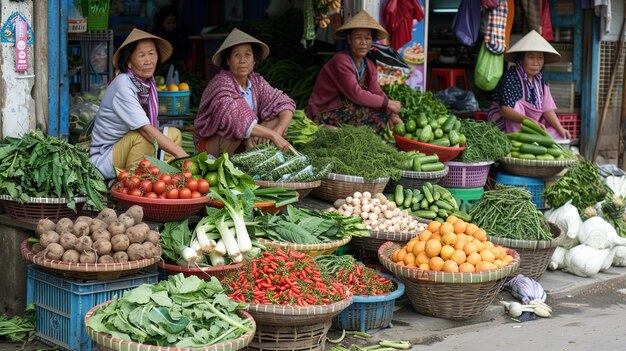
(584, 261)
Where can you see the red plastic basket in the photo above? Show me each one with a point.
(466, 175)
(200, 272)
(571, 122)
(38, 208)
(444, 153)
(162, 210)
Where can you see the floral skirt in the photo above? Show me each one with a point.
(353, 115)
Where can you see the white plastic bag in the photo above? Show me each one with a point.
(557, 259)
(567, 218)
(584, 261)
(598, 234)
(172, 76)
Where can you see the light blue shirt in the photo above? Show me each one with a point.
(247, 95)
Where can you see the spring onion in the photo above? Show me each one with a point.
(237, 207)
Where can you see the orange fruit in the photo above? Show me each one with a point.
(467, 268)
(425, 235)
(462, 236)
(479, 245)
(449, 239)
(433, 247)
(409, 258)
(485, 266)
(480, 234)
(487, 255)
(436, 263)
(419, 247)
(401, 255)
(459, 226)
(500, 252)
(474, 258)
(508, 259)
(446, 251)
(459, 244)
(489, 245)
(470, 248)
(433, 226)
(436, 236)
(446, 228)
(409, 246)
(458, 256)
(452, 219)
(450, 266)
(422, 258)
(424, 266)
(411, 265)
(183, 86)
(471, 228)
(172, 87)
(499, 263)
(394, 256)
(400, 263)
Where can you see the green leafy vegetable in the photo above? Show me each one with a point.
(18, 328)
(582, 184)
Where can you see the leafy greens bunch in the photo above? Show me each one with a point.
(178, 312)
(37, 165)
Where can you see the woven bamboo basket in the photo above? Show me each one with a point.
(455, 296)
(414, 180)
(201, 272)
(309, 249)
(339, 186)
(534, 168)
(534, 255)
(294, 338)
(303, 188)
(289, 316)
(377, 238)
(37, 208)
(108, 342)
(86, 271)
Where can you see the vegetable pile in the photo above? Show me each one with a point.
(108, 238)
(613, 212)
(452, 246)
(177, 312)
(378, 213)
(508, 212)
(355, 151)
(581, 184)
(432, 201)
(301, 129)
(283, 277)
(361, 280)
(18, 328)
(485, 142)
(37, 165)
(534, 143)
(420, 162)
(304, 226)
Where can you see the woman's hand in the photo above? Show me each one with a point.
(394, 120)
(394, 106)
(565, 133)
(281, 143)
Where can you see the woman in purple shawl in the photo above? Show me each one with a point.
(238, 104)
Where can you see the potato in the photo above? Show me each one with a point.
(136, 212)
(116, 227)
(102, 247)
(136, 252)
(120, 257)
(107, 215)
(97, 224)
(151, 250)
(138, 233)
(49, 237)
(120, 242)
(81, 228)
(64, 225)
(54, 251)
(153, 237)
(106, 259)
(101, 234)
(126, 220)
(36, 248)
(45, 225)
(71, 255)
(68, 241)
(84, 244)
(88, 257)
(86, 219)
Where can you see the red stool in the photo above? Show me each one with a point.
(447, 78)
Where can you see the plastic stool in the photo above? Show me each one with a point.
(447, 78)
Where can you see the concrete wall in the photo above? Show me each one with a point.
(13, 268)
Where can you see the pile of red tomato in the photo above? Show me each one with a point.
(147, 180)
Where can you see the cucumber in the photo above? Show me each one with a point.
(399, 195)
(427, 193)
(425, 214)
(424, 204)
(454, 137)
(433, 208)
(428, 159)
(439, 219)
(516, 143)
(527, 156)
(426, 135)
(444, 205)
(417, 197)
(444, 192)
(545, 157)
(555, 152)
(449, 124)
(433, 167)
(532, 138)
(436, 194)
(465, 207)
(457, 125)
(462, 140)
(528, 130)
(408, 195)
(462, 215)
(533, 149)
(515, 154)
(416, 206)
(442, 213)
(531, 124)
(445, 141)
(391, 197)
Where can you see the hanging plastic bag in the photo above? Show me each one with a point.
(466, 22)
(387, 55)
(489, 69)
(172, 76)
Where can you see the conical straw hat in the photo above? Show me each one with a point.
(235, 38)
(533, 41)
(164, 47)
(363, 20)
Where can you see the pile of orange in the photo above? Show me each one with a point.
(452, 246)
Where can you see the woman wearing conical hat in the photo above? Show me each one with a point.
(347, 90)
(126, 123)
(238, 105)
(522, 91)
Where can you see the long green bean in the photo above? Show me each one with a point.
(485, 142)
(508, 212)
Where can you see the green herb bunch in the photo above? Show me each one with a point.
(484, 142)
(37, 165)
(582, 184)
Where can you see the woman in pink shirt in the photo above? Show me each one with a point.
(347, 90)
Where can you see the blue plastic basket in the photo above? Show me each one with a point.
(174, 103)
(533, 185)
(61, 304)
(369, 312)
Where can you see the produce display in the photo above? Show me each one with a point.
(361, 280)
(283, 277)
(266, 162)
(534, 143)
(301, 129)
(37, 165)
(108, 238)
(420, 162)
(485, 142)
(304, 226)
(378, 213)
(355, 151)
(432, 201)
(582, 184)
(18, 329)
(452, 246)
(508, 212)
(178, 312)
(532, 296)
(83, 108)
(613, 211)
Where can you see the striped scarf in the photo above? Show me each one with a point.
(147, 96)
(533, 92)
(495, 34)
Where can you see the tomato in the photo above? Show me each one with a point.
(187, 164)
(203, 186)
(191, 166)
(158, 187)
(195, 194)
(172, 194)
(165, 177)
(122, 175)
(145, 165)
(192, 184)
(175, 180)
(162, 196)
(146, 185)
(124, 190)
(135, 192)
(132, 182)
(151, 195)
(187, 174)
(155, 171)
(184, 193)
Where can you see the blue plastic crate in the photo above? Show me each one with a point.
(369, 312)
(61, 304)
(533, 185)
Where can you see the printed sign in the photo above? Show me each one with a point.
(21, 46)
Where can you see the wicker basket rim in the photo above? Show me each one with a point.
(84, 267)
(426, 175)
(419, 275)
(193, 269)
(224, 346)
(354, 179)
(150, 201)
(306, 247)
(536, 163)
(43, 200)
(465, 164)
(288, 185)
(532, 244)
(312, 310)
(384, 297)
(391, 236)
